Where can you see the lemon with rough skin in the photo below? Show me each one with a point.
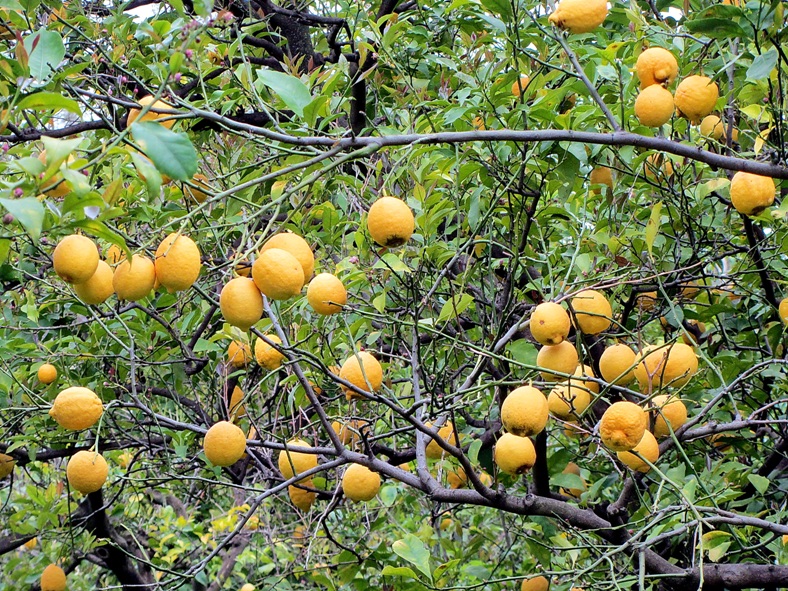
(267, 356)
(654, 106)
(198, 193)
(519, 85)
(292, 463)
(671, 413)
(549, 323)
(75, 258)
(592, 311)
(301, 498)
(647, 447)
(152, 116)
(622, 426)
(363, 371)
(751, 193)
(390, 222)
(539, 583)
(359, 483)
(296, 246)
(99, 287)
(712, 127)
(278, 274)
(53, 578)
(47, 373)
(566, 401)
(7, 464)
(239, 354)
(134, 280)
(617, 364)
(241, 303)
(87, 471)
(524, 412)
(783, 310)
(557, 358)
(514, 455)
(177, 262)
(601, 175)
(579, 16)
(237, 408)
(656, 65)
(696, 97)
(76, 408)
(661, 366)
(446, 433)
(326, 294)
(224, 444)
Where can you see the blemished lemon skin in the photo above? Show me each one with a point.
(647, 447)
(671, 411)
(292, 462)
(696, 97)
(568, 401)
(296, 246)
(359, 483)
(241, 303)
(654, 106)
(433, 450)
(267, 356)
(47, 373)
(98, 288)
(87, 471)
(363, 371)
(134, 114)
(622, 426)
(53, 578)
(278, 274)
(538, 583)
(303, 499)
(549, 323)
(76, 408)
(177, 262)
(326, 294)
(75, 258)
(514, 455)
(617, 364)
(593, 313)
(579, 16)
(134, 280)
(751, 193)
(656, 65)
(390, 222)
(524, 412)
(557, 358)
(224, 444)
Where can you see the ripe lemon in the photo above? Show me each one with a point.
(446, 523)
(241, 303)
(30, 544)
(601, 175)
(524, 412)
(671, 412)
(689, 336)
(622, 426)
(390, 222)
(579, 16)
(513, 454)
(199, 193)
(549, 323)
(557, 358)
(224, 444)
(87, 471)
(712, 127)
(696, 97)
(267, 356)
(53, 578)
(656, 65)
(47, 373)
(654, 106)
(301, 498)
(75, 258)
(237, 408)
(114, 254)
(278, 274)
(617, 364)
(239, 354)
(567, 401)
(326, 294)
(248, 586)
(647, 300)
(783, 311)
(177, 262)
(433, 450)
(658, 367)
(134, 114)
(657, 162)
(292, 463)
(76, 408)
(347, 432)
(134, 280)
(456, 477)
(98, 288)
(538, 583)
(519, 85)
(751, 193)
(592, 311)
(296, 246)
(363, 371)
(572, 468)
(359, 483)
(478, 123)
(577, 381)
(7, 464)
(648, 448)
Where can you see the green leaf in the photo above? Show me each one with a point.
(391, 261)
(473, 451)
(716, 28)
(398, 571)
(500, 7)
(413, 550)
(45, 101)
(759, 482)
(290, 89)
(652, 226)
(177, 5)
(29, 212)
(762, 65)
(46, 51)
(172, 153)
(147, 171)
(78, 181)
(455, 306)
(58, 150)
(442, 568)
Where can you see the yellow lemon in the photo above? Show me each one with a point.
(239, 354)
(572, 468)
(549, 323)
(647, 447)
(446, 433)
(237, 408)
(300, 497)
(47, 373)
(53, 578)
(198, 193)
(654, 106)
(296, 246)
(712, 127)
(557, 358)
(783, 311)
(99, 287)
(622, 425)
(672, 365)
(114, 255)
(87, 471)
(278, 274)
(524, 411)
(7, 464)
(567, 401)
(751, 193)
(671, 411)
(152, 116)
(656, 65)
(579, 16)
(593, 313)
(513, 454)
(76, 408)
(347, 432)
(539, 583)
(326, 294)
(363, 371)
(292, 463)
(267, 356)
(75, 258)
(601, 175)
(359, 483)
(390, 222)
(134, 280)
(241, 303)
(617, 364)
(519, 85)
(696, 97)
(224, 444)
(177, 262)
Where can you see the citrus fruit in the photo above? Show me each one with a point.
(198, 193)
(658, 162)
(513, 454)
(134, 280)
(696, 97)
(689, 337)
(671, 365)
(76, 408)
(300, 497)
(224, 444)
(579, 16)
(617, 364)
(296, 246)
(177, 262)
(75, 258)
(656, 65)
(549, 323)
(390, 222)
(519, 85)
(647, 300)
(751, 193)
(539, 583)
(53, 578)
(572, 468)
(592, 311)
(654, 106)
(567, 401)
(152, 116)
(87, 471)
(239, 354)
(783, 310)
(278, 274)
(622, 425)
(326, 294)
(292, 463)
(241, 302)
(55, 186)
(712, 127)
(347, 432)
(456, 477)
(98, 288)
(647, 447)
(237, 408)
(114, 254)
(524, 412)
(560, 358)
(47, 373)
(363, 371)
(359, 483)
(601, 175)
(267, 356)
(671, 411)
(7, 464)
(446, 433)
